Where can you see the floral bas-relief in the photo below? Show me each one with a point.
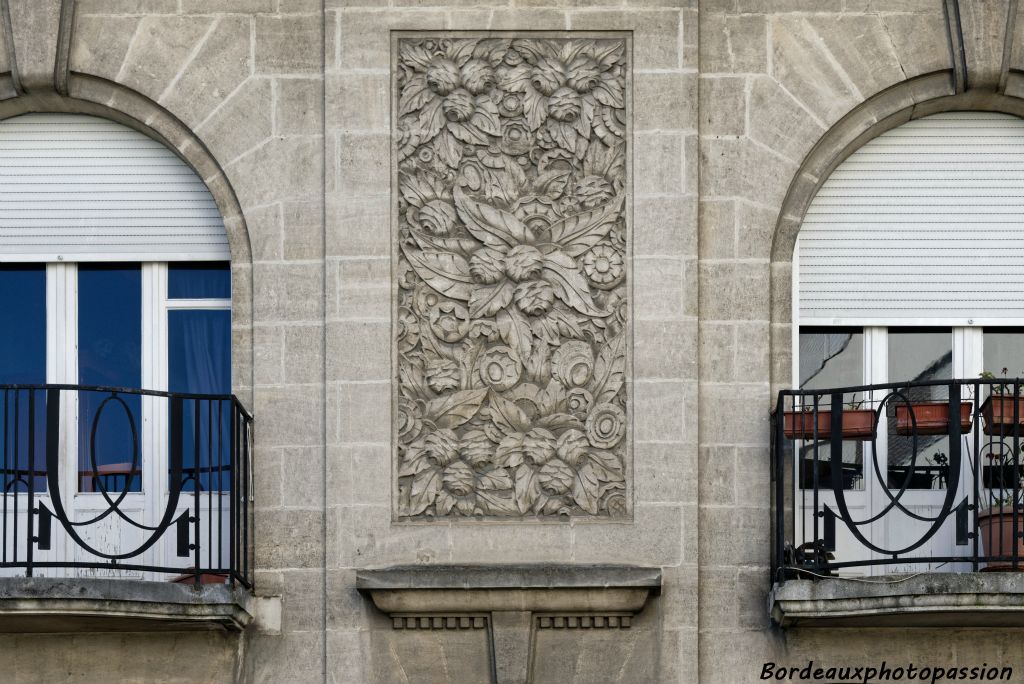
(512, 323)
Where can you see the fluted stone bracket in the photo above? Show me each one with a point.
(511, 206)
(981, 36)
(512, 602)
(38, 39)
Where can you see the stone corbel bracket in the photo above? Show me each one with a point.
(37, 34)
(511, 601)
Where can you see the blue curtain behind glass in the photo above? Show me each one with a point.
(199, 348)
(22, 361)
(109, 354)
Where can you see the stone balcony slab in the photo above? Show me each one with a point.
(924, 600)
(44, 604)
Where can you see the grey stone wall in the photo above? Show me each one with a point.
(738, 108)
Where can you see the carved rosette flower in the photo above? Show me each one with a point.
(604, 266)
(511, 315)
(487, 265)
(534, 298)
(555, 477)
(499, 368)
(606, 426)
(573, 363)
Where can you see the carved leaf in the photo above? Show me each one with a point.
(508, 417)
(609, 93)
(425, 487)
(536, 107)
(448, 149)
(486, 117)
(527, 488)
(415, 461)
(515, 330)
(609, 370)
(446, 272)
(560, 421)
(585, 488)
(417, 55)
(488, 300)
(431, 120)
(497, 502)
(467, 133)
(493, 477)
(577, 234)
(570, 285)
(490, 225)
(414, 95)
(455, 409)
(607, 465)
(462, 246)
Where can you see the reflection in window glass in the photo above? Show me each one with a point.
(109, 354)
(199, 346)
(23, 361)
(1003, 348)
(919, 355)
(199, 280)
(831, 357)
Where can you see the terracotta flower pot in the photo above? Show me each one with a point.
(997, 411)
(932, 417)
(858, 424)
(995, 525)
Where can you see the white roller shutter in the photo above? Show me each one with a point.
(924, 224)
(81, 188)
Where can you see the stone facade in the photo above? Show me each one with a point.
(655, 274)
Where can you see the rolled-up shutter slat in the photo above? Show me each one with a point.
(80, 188)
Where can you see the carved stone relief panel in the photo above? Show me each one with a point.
(511, 294)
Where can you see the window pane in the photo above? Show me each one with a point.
(1003, 349)
(919, 355)
(199, 280)
(199, 347)
(109, 354)
(831, 358)
(23, 361)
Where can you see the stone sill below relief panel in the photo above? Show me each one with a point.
(927, 600)
(511, 602)
(67, 605)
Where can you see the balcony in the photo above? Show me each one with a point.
(888, 498)
(123, 507)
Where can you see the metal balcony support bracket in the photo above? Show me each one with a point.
(511, 602)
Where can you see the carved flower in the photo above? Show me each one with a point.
(449, 320)
(476, 449)
(565, 105)
(511, 105)
(604, 266)
(436, 217)
(573, 363)
(555, 477)
(458, 478)
(534, 297)
(458, 106)
(547, 75)
(407, 330)
(443, 76)
(515, 138)
(593, 191)
(441, 447)
(606, 426)
(499, 368)
(539, 446)
(523, 262)
(442, 374)
(538, 213)
(487, 265)
(512, 57)
(580, 401)
(478, 76)
(408, 420)
(572, 447)
(584, 74)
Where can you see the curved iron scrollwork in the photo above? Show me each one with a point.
(204, 496)
(975, 479)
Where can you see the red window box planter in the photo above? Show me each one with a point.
(858, 424)
(932, 417)
(997, 411)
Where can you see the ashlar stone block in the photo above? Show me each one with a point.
(512, 309)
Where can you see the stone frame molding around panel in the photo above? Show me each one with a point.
(511, 289)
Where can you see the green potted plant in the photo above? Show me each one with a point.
(858, 423)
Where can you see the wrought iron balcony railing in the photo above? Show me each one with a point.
(115, 482)
(900, 477)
